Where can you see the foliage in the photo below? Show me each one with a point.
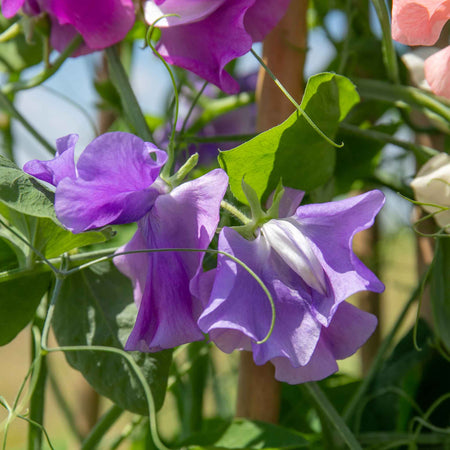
(53, 279)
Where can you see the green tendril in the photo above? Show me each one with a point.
(196, 250)
(297, 106)
(171, 147)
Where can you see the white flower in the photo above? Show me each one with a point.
(432, 185)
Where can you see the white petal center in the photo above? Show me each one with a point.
(287, 239)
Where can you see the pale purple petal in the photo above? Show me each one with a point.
(58, 168)
(321, 365)
(11, 7)
(238, 304)
(114, 183)
(307, 263)
(207, 46)
(134, 265)
(187, 217)
(263, 16)
(348, 331)
(289, 202)
(330, 227)
(102, 23)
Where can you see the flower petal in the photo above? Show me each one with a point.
(11, 7)
(437, 72)
(330, 228)
(419, 22)
(58, 168)
(114, 184)
(187, 217)
(263, 16)
(207, 46)
(102, 23)
(239, 305)
(348, 331)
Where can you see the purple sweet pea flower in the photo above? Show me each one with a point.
(186, 217)
(116, 181)
(113, 181)
(102, 23)
(306, 261)
(208, 34)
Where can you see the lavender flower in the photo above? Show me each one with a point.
(116, 181)
(102, 23)
(306, 261)
(207, 35)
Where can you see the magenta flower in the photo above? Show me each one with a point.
(420, 22)
(207, 35)
(306, 261)
(116, 181)
(102, 23)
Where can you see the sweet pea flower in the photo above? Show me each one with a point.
(420, 22)
(432, 185)
(115, 181)
(306, 261)
(102, 23)
(207, 34)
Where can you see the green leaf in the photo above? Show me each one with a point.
(293, 151)
(440, 290)
(95, 308)
(253, 434)
(8, 258)
(23, 193)
(19, 299)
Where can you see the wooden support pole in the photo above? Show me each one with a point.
(284, 53)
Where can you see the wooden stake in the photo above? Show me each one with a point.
(284, 53)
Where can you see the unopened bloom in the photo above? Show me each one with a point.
(432, 185)
(102, 23)
(420, 22)
(206, 35)
(306, 261)
(115, 181)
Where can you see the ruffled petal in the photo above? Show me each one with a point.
(419, 22)
(239, 305)
(330, 227)
(263, 16)
(11, 7)
(437, 72)
(187, 217)
(348, 331)
(60, 167)
(114, 183)
(102, 23)
(321, 365)
(207, 46)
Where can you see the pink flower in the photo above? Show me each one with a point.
(437, 72)
(420, 22)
